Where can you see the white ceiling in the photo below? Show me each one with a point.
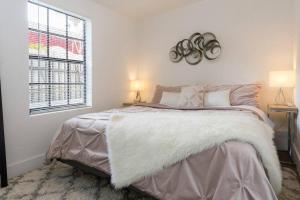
(143, 8)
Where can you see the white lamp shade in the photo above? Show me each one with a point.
(137, 85)
(282, 79)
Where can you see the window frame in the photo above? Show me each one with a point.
(49, 84)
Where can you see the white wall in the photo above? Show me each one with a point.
(113, 51)
(255, 36)
(296, 144)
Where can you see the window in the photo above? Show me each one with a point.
(57, 59)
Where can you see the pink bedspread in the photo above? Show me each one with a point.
(232, 170)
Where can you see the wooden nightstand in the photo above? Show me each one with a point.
(127, 104)
(292, 112)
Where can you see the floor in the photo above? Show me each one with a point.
(62, 182)
(284, 156)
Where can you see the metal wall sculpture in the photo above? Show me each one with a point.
(195, 48)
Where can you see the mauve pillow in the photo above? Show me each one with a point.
(242, 94)
(159, 91)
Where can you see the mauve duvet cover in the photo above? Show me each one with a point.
(232, 170)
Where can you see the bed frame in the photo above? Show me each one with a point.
(100, 174)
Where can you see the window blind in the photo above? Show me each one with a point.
(57, 59)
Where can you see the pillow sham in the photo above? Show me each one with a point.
(217, 98)
(159, 91)
(240, 94)
(191, 97)
(170, 98)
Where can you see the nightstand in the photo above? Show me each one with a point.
(127, 104)
(292, 112)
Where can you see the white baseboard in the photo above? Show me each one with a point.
(296, 156)
(18, 168)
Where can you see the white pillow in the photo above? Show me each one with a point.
(217, 98)
(191, 97)
(170, 98)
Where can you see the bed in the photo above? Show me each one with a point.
(233, 168)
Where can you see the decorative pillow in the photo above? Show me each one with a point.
(242, 94)
(217, 98)
(191, 97)
(159, 91)
(170, 98)
(245, 95)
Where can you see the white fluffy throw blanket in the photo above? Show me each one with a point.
(141, 144)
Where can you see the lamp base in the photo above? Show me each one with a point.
(280, 98)
(138, 97)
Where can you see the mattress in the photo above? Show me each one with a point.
(232, 170)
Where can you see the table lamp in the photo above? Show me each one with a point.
(137, 86)
(282, 79)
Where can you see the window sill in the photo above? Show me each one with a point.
(59, 110)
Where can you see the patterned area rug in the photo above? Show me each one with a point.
(61, 182)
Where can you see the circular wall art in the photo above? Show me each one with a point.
(195, 48)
